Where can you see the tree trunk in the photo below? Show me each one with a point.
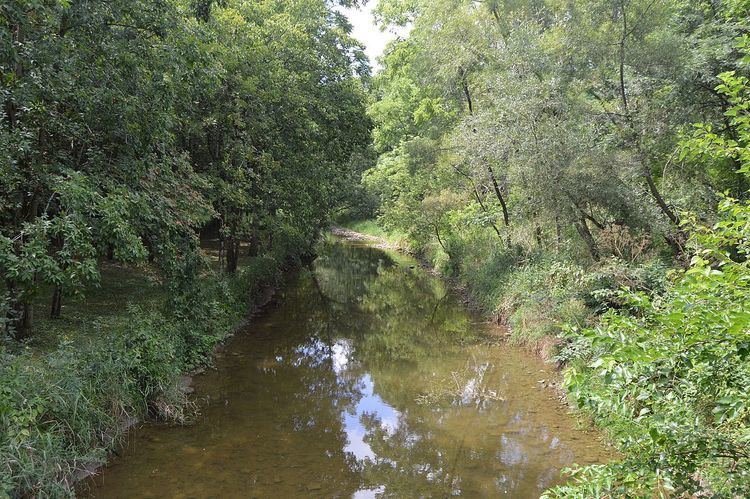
(538, 234)
(537, 227)
(658, 197)
(21, 318)
(583, 229)
(440, 241)
(478, 197)
(653, 189)
(499, 194)
(221, 252)
(27, 321)
(233, 255)
(24, 307)
(623, 39)
(484, 209)
(467, 93)
(254, 248)
(470, 106)
(56, 307)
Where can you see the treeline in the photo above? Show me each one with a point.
(584, 167)
(553, 119)
(127, 126)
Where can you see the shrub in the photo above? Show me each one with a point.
(668, 376)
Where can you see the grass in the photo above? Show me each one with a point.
(120, 286)
(368, 227)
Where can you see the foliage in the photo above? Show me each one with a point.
(127, 127)
(129, 130)
(546, 154)
(556, 122)
(668, 375)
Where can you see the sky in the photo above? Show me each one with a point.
(366, 31)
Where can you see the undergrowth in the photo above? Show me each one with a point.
(667, 375)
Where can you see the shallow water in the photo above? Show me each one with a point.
(366, 379)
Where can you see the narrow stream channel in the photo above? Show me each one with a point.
(367, 379)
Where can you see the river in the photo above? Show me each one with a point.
(367, 377)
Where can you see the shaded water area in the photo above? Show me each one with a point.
(368, 378)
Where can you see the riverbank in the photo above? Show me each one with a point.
(644, 352)
(65, 409)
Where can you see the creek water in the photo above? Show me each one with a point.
(366, 378)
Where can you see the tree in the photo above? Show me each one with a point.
(128, 126)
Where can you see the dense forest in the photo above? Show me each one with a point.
(582, 167)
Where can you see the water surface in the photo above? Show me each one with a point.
(366, 379)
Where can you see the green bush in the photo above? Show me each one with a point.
(60, 412)
(668, 374)
(539, 293)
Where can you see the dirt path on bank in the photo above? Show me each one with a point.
(378, 242)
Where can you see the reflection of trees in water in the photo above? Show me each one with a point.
(395, 314)
(331, 376)
(410, 317)
(342, 271)
(304, 400)
(305, 395)
(467, 442)
(401, 328)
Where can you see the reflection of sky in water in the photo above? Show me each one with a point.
(340, 355)
(368, 493)
(369, 404)
(511, 453)
(471, 391)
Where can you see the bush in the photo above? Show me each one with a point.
(668, 376)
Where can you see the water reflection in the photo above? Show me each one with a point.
(368, 380)
(370, 406)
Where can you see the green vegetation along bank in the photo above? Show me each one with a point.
(64, 410)
(129, 131)
(583, 168)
